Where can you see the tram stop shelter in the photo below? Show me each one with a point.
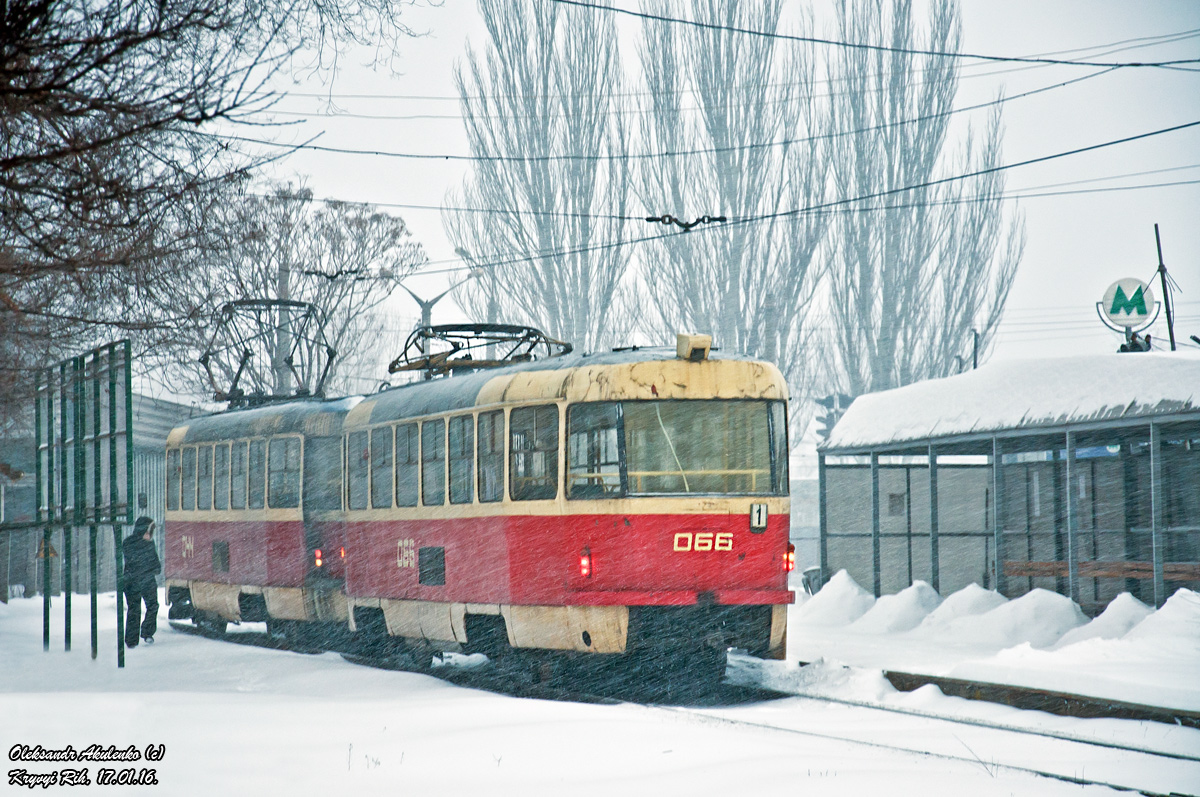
(1079, 475)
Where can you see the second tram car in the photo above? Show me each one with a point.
(632, 503)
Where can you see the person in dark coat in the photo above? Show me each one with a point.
(141, 567)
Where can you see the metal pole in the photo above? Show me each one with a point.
(1000, 579)
(822, 516)
(49, 391)
(64, 470)
(1162, 275)
(94, 529)
(908, 517)
(129, 474)
(878, 582)
(112, 497)
(1072, 523)
(934, 565)
(69, 528)
(1156, 514)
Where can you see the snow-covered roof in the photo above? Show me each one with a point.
(1023, 394)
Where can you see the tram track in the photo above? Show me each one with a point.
(991, 766)
(706, 706)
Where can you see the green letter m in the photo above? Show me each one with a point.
(1120, 302)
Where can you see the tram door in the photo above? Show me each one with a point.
(323, 528)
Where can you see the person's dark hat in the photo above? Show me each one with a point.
(142, 525)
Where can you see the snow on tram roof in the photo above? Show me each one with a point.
(1024, 394)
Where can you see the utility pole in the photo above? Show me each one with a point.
(1162, 275)
(283, 335)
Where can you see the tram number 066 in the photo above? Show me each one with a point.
(704, 541)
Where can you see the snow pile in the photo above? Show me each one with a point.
(1041, 639)
(1038, 618)
(968, 601)
(1177, 622)
(820, 678)
(839, 602)
(900, 612)
(1122, 614)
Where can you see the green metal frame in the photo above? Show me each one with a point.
(72, 393)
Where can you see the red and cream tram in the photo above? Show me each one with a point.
(633, 502)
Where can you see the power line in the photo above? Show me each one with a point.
(979, 172)
(871, 47)
(819, 207)
(645, 111)
(1010, 196)
(1106, 49)
(651, 155)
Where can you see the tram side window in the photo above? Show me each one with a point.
(779, 447)
(221, 476)
(533, 458)
(283, 488)
(433, 463)
(189, 478)
(322, 473)
(237, 482)
(258, 473)
(491, 456)
(173, 476)
(407, 461)
(358, 459)
(462, 459)
(593, 451)
(204, 474)
(381, 467)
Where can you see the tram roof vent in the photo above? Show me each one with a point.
(691, 347)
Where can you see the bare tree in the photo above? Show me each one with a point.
(344, 258)
(548, 85)
(914, 272)
(106, 149)
(733, 102)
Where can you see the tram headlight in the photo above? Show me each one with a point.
(585, 563)
(789, 559)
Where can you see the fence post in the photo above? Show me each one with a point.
(935, 571)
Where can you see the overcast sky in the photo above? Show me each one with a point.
(1077, 244)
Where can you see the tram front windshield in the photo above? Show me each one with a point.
(714, 447)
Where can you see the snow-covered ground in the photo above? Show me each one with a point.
(245, 720)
